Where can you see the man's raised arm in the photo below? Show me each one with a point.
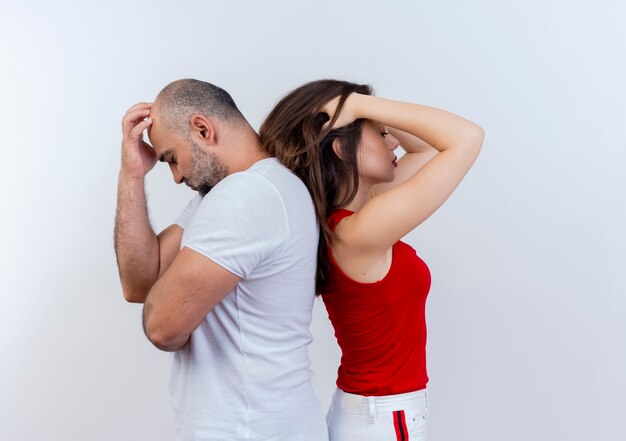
(136, 244)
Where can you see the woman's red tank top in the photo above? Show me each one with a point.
(381, 326)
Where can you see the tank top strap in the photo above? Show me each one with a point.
(337, 216)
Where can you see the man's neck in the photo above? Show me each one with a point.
(245, 152)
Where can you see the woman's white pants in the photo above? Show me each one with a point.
(399, 417)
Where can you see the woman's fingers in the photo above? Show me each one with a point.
(348, 113)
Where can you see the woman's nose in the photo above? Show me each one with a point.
(393, 142)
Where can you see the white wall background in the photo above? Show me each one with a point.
(527, 313)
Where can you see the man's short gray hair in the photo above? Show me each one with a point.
(182, 98)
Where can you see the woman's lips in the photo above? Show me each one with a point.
(395, 162)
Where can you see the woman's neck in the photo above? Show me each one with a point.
(360, 199)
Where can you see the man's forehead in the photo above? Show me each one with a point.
(151, 140)
(162, 140)
(154, 132)
(155, 116)
(151, 133)
(158, 143)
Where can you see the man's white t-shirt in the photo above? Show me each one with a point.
(244, 374)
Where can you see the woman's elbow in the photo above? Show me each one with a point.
(477, 136)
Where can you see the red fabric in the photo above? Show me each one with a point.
(399, 423)
(380, 326)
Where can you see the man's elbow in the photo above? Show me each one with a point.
(133, 297)
(134, 294)
(163, 338)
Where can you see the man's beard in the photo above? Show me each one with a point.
(206, 170)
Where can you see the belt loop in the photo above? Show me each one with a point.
(371, 403)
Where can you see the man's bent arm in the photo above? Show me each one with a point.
(136, 245)
(182, 298)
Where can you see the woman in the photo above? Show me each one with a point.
(340, 141)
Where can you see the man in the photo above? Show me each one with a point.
(229, 287)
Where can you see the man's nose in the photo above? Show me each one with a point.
(178, 177)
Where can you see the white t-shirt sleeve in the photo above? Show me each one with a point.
(185, 216)
(240, 224)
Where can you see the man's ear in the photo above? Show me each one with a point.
(204, 129)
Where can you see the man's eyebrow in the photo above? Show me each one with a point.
(166, 153)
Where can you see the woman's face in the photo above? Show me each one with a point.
(376, 159)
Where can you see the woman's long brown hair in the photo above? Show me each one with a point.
(294, 133)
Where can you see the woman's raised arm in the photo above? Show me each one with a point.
(388, 217)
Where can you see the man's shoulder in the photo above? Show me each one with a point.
(265, 175)
(281, 177)
(250, 182)
(249, 189)
(270, 168)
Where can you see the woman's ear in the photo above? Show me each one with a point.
(204, 129)
(338, 148)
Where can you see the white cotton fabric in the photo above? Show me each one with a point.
(244, 374)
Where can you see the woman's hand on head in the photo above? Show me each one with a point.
(347, 115)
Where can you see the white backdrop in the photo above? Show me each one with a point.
(527, 313)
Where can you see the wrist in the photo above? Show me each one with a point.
(130, 177)
(361, 105)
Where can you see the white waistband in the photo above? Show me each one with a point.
(360, 405)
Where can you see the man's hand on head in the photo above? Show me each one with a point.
(138, 157)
